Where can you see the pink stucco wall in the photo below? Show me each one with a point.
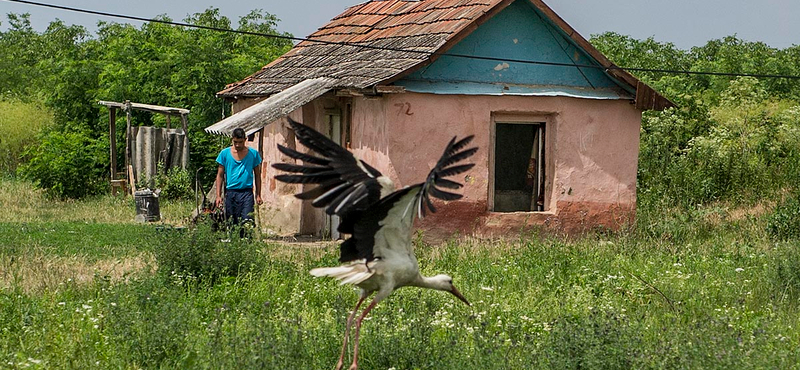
(591, 152)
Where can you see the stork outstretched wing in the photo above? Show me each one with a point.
(446, 166)
(370, 210)
(346, 183)
(397, 210)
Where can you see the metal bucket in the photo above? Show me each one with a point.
(146, 206)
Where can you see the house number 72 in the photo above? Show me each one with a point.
(407, 107)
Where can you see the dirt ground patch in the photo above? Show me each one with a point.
(38, 273)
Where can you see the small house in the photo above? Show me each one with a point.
(556, 122)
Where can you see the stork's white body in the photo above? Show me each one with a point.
(395, 264)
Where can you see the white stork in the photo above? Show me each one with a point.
(379, 256)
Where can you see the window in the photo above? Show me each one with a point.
(518, 167)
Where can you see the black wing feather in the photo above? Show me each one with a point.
(460, 144)
(349, 187)
(343, 180)
(455, 170)
(436, 178)
(458, 157)
(444, 195)
(301, 156)
(445, 183)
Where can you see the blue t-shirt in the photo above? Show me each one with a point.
(239, 174)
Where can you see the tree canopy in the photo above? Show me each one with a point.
(70, 70)
(729, 138)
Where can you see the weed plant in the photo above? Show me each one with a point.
(175, 183)
(784, 223)
(204, 255)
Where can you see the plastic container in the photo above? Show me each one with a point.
(147, 209)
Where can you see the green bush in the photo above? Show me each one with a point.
(740, 148)
(175, 183)
(68, 165)
(202, 255)
(784, 222)
(20, 125)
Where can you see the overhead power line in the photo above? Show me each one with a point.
(427, 53)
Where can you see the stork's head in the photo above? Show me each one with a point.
(445, 283)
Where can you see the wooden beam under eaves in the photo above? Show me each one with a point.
(649, 99)
(375, 90)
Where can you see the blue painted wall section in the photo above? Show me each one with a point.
(518, 32)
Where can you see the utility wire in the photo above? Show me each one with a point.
(426, 53)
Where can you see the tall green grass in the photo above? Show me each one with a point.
(716, 294)
(20, 124)
(713, 287)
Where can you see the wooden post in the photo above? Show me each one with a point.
(112, 135)
(169, 121)
(128, 153)
(130, 175)
(185, 124)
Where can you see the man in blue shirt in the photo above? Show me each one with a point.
(239, 168)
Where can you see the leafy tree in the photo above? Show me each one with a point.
(21, 47)
(729, 138)
(155, 63)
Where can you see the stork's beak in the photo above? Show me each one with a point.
(461, 297)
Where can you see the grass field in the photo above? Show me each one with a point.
(86, 287)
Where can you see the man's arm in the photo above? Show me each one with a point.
(219, 183)
(257, 181)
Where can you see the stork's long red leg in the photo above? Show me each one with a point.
(372, 304)
(347, 331)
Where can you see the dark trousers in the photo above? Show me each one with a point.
(239, 205)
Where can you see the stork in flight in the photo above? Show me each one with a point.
(379, 256)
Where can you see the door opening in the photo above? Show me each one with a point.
(519, 167)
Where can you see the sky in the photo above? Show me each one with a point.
(685, 23)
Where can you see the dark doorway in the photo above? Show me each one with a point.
(519, 167)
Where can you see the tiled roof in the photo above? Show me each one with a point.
(400, 35)
(424, 25)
